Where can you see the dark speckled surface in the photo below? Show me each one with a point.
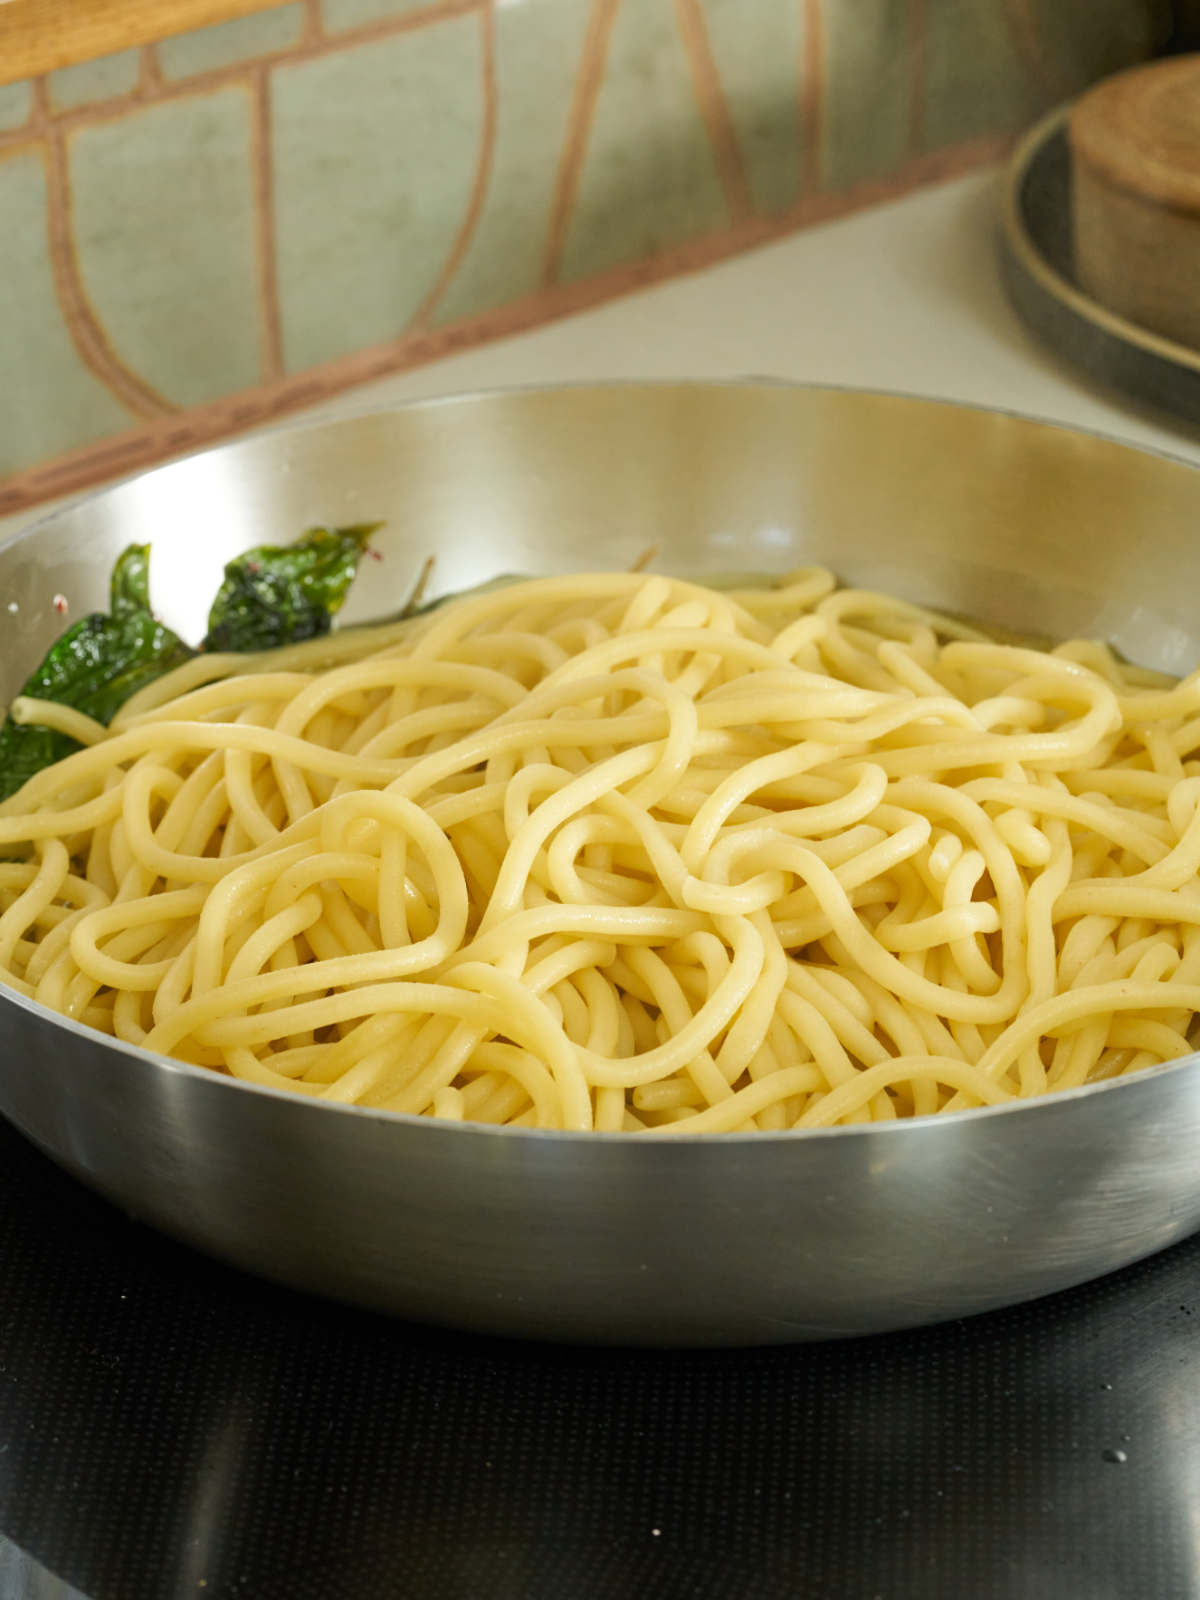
(171, 1428)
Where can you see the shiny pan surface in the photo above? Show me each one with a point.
(726, 1239)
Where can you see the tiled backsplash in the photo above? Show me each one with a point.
(206, 232)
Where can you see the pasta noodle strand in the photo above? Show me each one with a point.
(626, 853)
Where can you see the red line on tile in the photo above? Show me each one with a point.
(918, 56)
(39, 116)
(149, 73)
(173, 435)
(112, 456)
(483, 172)
(271, 337)
(314, 25)
(84, 327)
(812, 94)
(710, 96)
(579, 125)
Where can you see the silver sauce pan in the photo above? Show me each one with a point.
(632, 1239)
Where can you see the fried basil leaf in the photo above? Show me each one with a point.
(97, 664)
(282, 594)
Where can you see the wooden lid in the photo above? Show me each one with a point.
(1141, 131)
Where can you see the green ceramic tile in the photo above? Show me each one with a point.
(866, 90)
(49, 401)
(648, 179)
(376, 150)
(757, 46)
(227, 43)
(341, 14)
(16, 103)
(165, 236)
(537, 55)
(976, 81)
(89, 81)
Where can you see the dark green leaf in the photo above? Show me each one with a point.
(95, 667)
(129, 586)
(282, 594)
(26, 749)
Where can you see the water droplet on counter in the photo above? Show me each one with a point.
(13, 607)
(1106, 1385)
(1117, 1457)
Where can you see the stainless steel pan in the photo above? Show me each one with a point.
(718, 1240)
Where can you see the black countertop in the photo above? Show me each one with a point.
(170, 1427)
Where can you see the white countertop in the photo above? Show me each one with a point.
(903, 296)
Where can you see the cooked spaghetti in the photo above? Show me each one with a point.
(623, 852)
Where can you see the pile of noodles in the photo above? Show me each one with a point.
(624, 852)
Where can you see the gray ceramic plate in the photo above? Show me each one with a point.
(1038, 262)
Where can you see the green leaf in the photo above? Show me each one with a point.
(129, 586)
(282, 594)
(95, 667)
(25, 749)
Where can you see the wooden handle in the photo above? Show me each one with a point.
(37, 36)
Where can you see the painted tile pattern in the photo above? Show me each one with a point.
(505, 255)
(757, 53)
(163, 212)
(16, 105)
(648, 174)
(109, 78)
(366, 217)
(204, 233)
(61, 403)
(262, 33)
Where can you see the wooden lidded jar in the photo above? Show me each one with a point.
(1135, 149)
